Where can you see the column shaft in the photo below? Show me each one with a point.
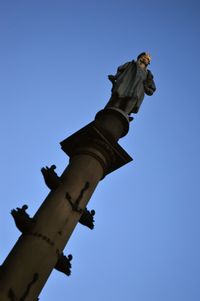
(32, 259)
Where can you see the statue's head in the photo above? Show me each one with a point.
(144, 58)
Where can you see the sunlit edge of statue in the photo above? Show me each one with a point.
(129, 85)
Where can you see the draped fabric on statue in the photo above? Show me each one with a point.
(131, 83)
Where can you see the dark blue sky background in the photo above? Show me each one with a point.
(54, 60)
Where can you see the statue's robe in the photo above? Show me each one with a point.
(130, 84)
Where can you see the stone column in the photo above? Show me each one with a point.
(94, 152)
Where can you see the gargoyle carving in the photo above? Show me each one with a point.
(64, 264)
(22, 220)
(51, 178)
(87, 218)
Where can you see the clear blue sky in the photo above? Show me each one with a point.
(54, 60)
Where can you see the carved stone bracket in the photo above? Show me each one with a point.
(64, 264)
(22, 220)
(87, 218)
(51, 178)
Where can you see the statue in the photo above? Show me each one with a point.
(130, 83)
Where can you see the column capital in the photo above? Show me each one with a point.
(97, 141)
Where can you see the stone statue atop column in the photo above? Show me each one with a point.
(129, 85)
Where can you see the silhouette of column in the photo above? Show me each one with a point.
(94, 152)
